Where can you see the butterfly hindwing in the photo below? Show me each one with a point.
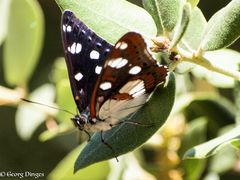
(129, 75)
(85, 53)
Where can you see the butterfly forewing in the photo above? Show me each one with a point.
(85, 53)
(129, 75)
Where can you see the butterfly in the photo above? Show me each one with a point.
(109, 83)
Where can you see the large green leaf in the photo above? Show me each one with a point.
(165, 14)
(126, 137)
(223, 28)
(24, 41)
(111, 18)
(211, 147)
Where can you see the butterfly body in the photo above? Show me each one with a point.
(109, 83)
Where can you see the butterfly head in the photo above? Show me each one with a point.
(80, 120)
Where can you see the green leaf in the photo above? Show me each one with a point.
(195, 29)
(196, 130)
(223, 28)
(111, 18)
(64, 169)
(29, 116)
(4, 13)
(226, 58)
(192, 37)
(184, 101)
(164, 13)
(193, 3)
(236, 143)
(126, 137)
(182, 25)
(208, 107)
(193, 168)
(211, 147)
(226, 154)
(24, 41)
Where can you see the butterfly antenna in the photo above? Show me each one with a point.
(33, 102)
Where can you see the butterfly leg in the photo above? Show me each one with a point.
(110, 147)
(89, 136)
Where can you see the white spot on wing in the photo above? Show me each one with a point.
(69, 48)
(78, 76)
(135, 70)
(123, 46)
(94, 54)
(81, 91)
(98, 69)
(69, 28)
(117, 63)
(64, 28)
(105, 85)
(78, 48)
(118, 45)
(72, 49)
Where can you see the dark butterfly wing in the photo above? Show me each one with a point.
(129, 75)
(85, 53)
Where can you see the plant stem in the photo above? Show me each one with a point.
(201, 61)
